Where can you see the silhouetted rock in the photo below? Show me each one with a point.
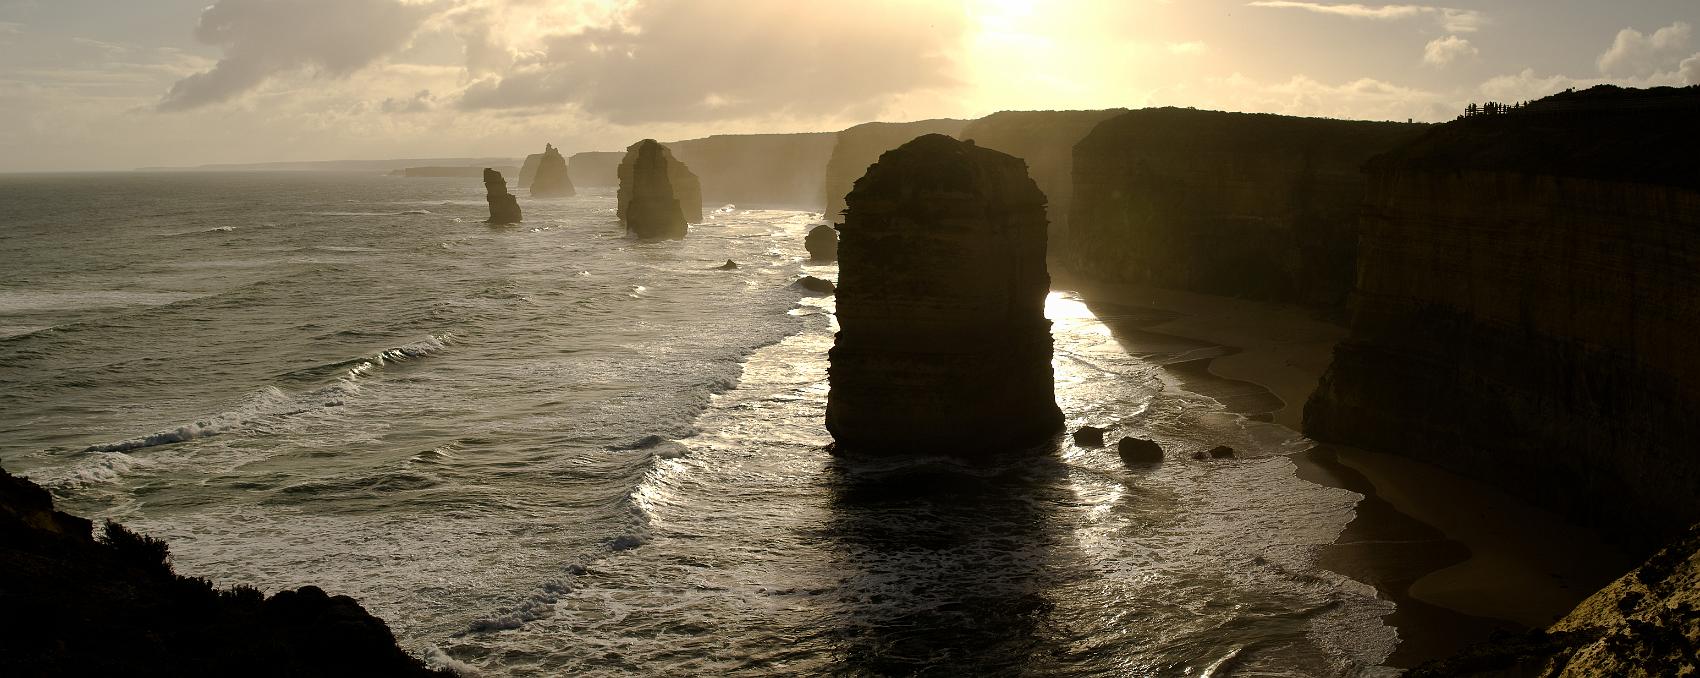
(1139, 451)
(1221, 452)
(551, 180)
(944, 344)
(1235, 204)
(1647, 623)
(822, 243)
(77, 606)
(528, 170)
(728, 266)
(1045, 139)
(1527, 303)
(857, 147)
(813, 284)
(504, 207)
(656, 193)
(1089, 436)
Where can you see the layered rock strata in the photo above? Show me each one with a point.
(855, 148)
(551, 180)
(1235, 204)
(1045, 139)
(504, 207)
(75, 606)
(1527, 304)
(944, 346)
(658, 195)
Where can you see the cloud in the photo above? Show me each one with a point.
(1636, 53)
(1194, 47)
(1360, 99)
(1691, 70)
(1454, 20)
(1443, 51)
(420, 102)
(683, 60)
(265, 38)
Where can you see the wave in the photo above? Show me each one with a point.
(402, 213)
(272, 403)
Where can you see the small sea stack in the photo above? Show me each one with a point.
(822, 243)
(504, 207)
(944, 346)
(551, 180)
(658, 195)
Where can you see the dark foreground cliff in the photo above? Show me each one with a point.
(1528, 309)
(1045, 139)
(76, 606)
(1234, 204)
(854, 149)
(944, 346)
(1647, 623)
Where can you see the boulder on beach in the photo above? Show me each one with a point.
(504, 207)
(1139, 451)
(943, 343)
(1089, 436)
(822, 243)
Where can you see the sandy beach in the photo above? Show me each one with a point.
(1459, 558)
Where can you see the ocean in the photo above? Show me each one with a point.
(551, 450)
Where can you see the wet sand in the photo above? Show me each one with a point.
(1460, 559)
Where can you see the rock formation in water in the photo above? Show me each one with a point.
(504, 207)
(944, 346)
(1647, 623)
(528, 170)
(759, 170)
(1139, 451)
(855, 148)
(658, 195)
(551, 180)
(75, 606)
(1527, 308)
(595, 168)
(1045, 139)
(1250, 205)
(817, 285)
(822, 243)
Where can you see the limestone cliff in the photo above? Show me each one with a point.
(504, 207)
(1045, 139)
(855, 148)
(759, 170)
(1527, 300)
(1235, 204)
(595, 168)
(75, 606)
(656, 193)
(551, 180)
(528, 170)
(944, 346)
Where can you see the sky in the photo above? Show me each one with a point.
(118, 84)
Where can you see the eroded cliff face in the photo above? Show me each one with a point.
(759, 170)
(854, 149)
(1246, 205)
(1527, 309)
(504, 207)
(650, 204)
(551, 180)
(595, 168)
(1045, 139)
(944, 346)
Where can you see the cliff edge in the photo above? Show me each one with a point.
(1045, 139)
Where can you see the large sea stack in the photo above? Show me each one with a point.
(944, 346)
(1234, 204)
(857, 147)
(504, 207)
(551, 180)
(658, 195)
(1526, 308)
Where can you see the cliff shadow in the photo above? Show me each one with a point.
(946, 568)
